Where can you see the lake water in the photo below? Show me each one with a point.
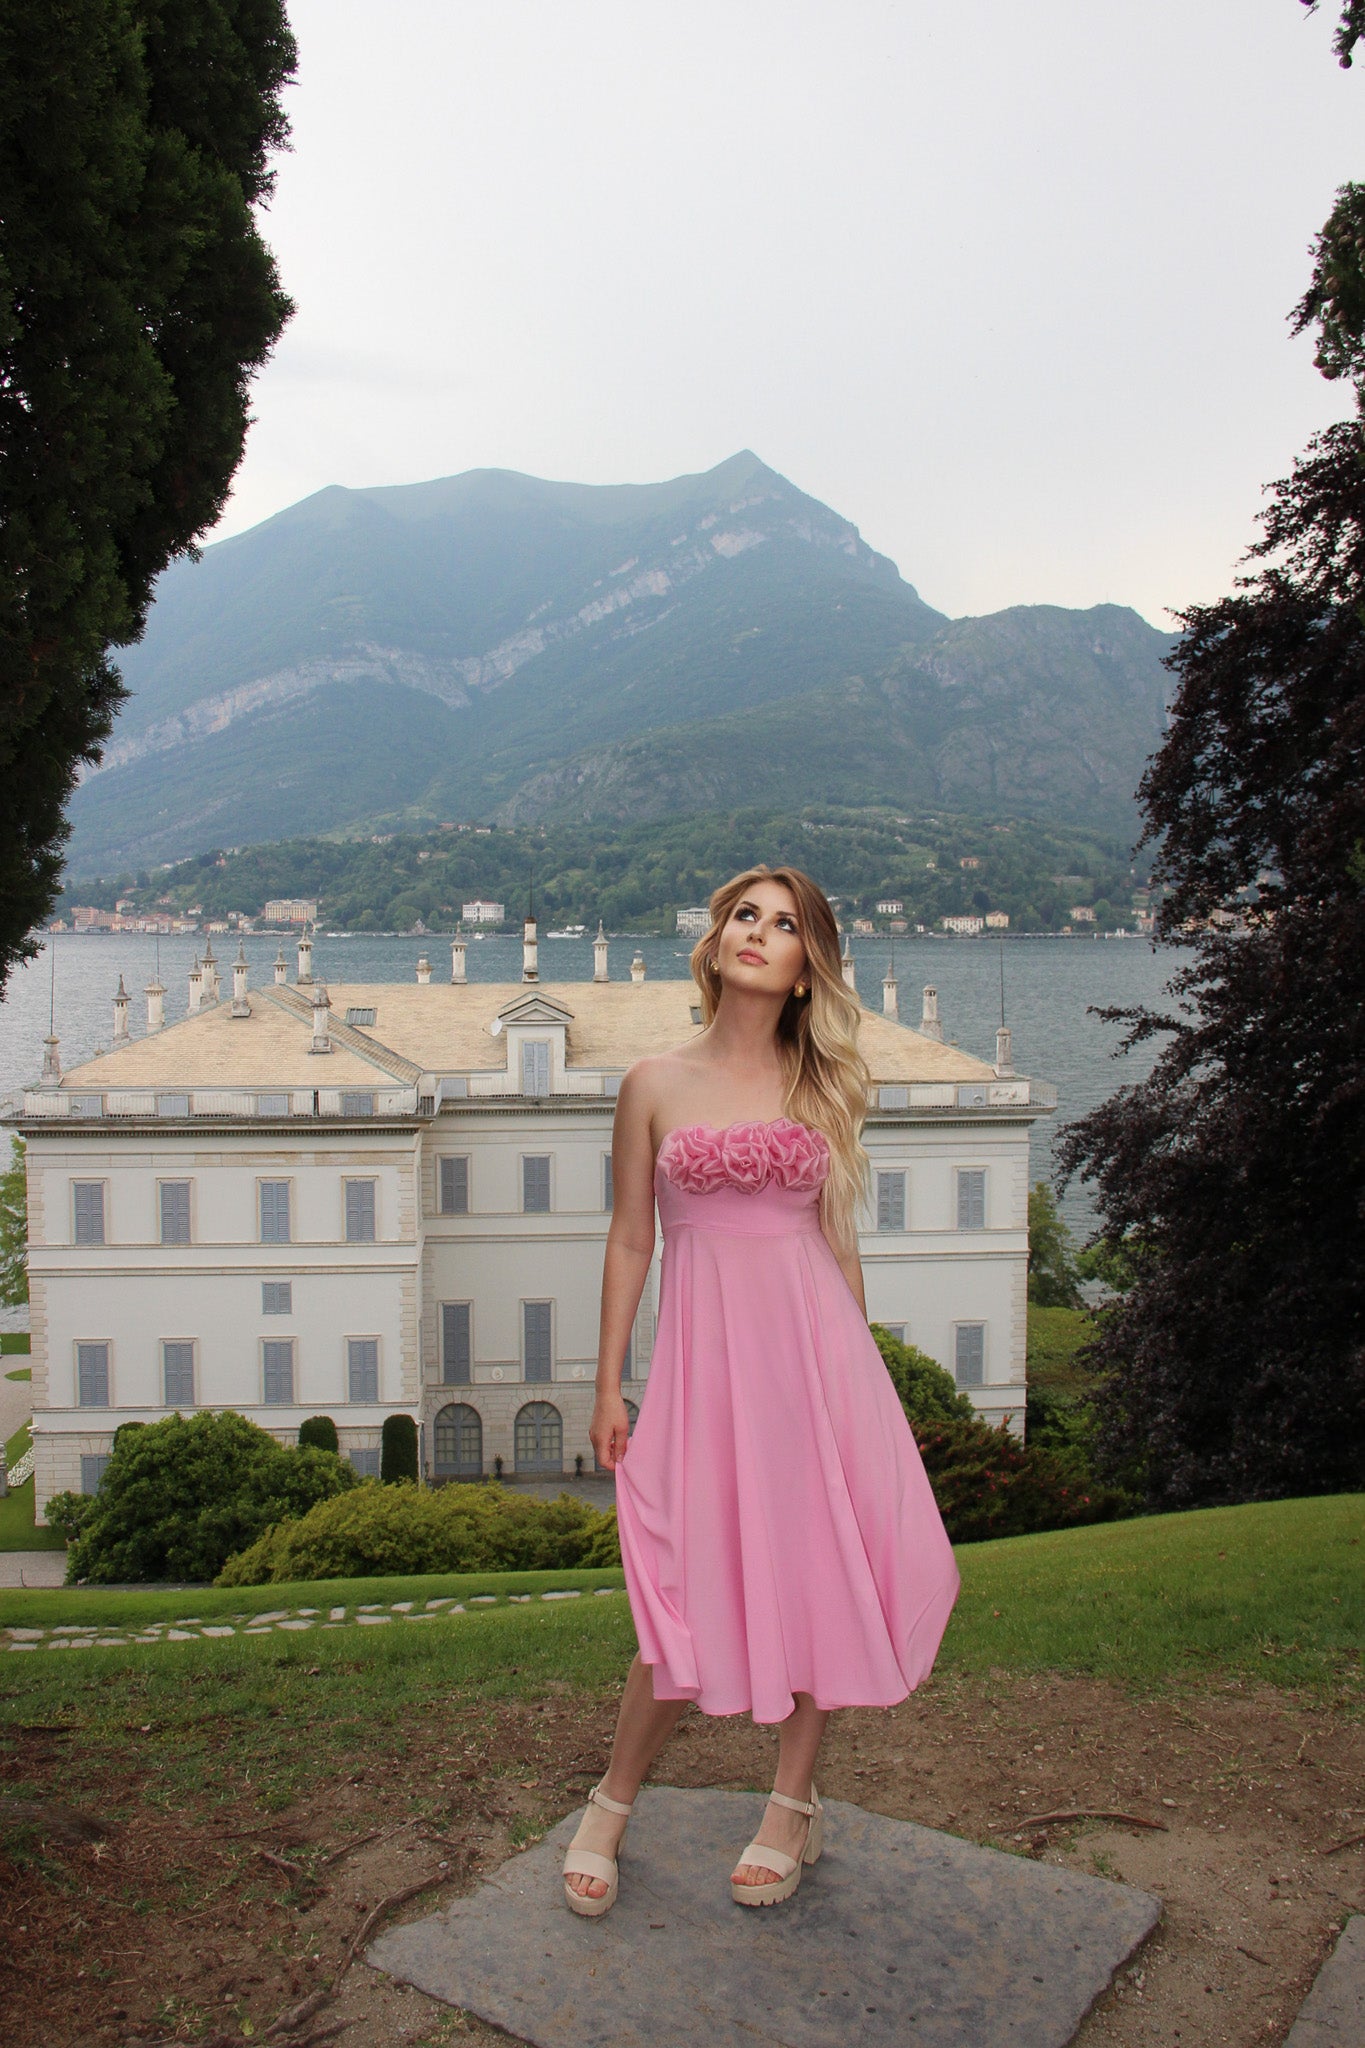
(1049, 982)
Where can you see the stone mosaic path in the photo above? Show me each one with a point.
(287, 1620)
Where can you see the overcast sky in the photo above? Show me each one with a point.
(1003, 283)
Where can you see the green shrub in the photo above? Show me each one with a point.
(180, 1496)
(398, 1452)
(987, 1483)
(377, 1531)
(321, 1432)
(927, 1392)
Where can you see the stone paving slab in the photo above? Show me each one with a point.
(1333, 2014)
(911, 1937)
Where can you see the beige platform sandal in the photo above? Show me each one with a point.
(789, 1868)
(587, 1863)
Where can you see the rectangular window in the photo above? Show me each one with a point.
(357, 1102)
(457, 1350)
(92, 1375)
(362, 1368)
(454, 1187)
(277, 1297)
(273, 1104)
(88, 1198)
(535, 1322)
(277, 1371)
(177, 1373)
(608, 1190)
(535, 1066)
(274, 1211)
(535, 1184)
(890, 1201)
(971, 1198)
(360, 1199)
(172, 1105)
(175, 1212)
(969, 1354)
(366, 1463)
(361, 1016)
(94, 1465)
(896, 1330)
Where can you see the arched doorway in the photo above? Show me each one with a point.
(632, 1417)
(458, 1433)
(538, 1438)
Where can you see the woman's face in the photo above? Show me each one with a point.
(760, 945)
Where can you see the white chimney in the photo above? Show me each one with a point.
(240, 1006)
(321, 1005)
(156, 1005)
(457, 966)
(599, 955)
(637, 966)
(121, 1014)
(281, 968)
(1004, 1054)
(210, 974)
(928, 1023)
(305, 959)
(847, 967)
(890, 1001)
(424, 970)
(196, 987)
(529, 969)
(52, 1066)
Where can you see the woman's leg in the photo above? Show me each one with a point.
(643, 1726)
(798, 1746)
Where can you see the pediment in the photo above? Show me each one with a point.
(534, 1009)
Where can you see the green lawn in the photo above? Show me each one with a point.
(18, 1531)
(22, 1372)
(14, 1342)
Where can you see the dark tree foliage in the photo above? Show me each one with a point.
(1233, 1180)
(321, 1432)
(1231, 1183)
(397, 1449)
(1350, 28)
(136, 299)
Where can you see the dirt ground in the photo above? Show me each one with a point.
(213, 1924)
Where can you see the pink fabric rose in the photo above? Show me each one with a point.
(798, 1156)
(744, 1148)
(691, 1158)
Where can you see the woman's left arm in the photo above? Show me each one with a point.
(851, 1266)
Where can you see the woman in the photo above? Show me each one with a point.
(783, 1552)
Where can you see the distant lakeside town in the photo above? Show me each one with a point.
(885, 873)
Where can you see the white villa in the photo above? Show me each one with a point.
(394, 1198)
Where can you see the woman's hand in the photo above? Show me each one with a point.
(609, 1429)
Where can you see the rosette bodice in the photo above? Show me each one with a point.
(708, 1179)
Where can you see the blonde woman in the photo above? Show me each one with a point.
(783, 1552)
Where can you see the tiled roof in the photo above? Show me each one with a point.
(445, 1028)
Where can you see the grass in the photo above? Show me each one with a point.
(23, 1372)
(14, 1343)
(18, 1530)
(1271, 1592)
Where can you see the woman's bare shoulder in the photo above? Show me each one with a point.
(653, 1080)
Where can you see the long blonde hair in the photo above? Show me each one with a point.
(817, 1037)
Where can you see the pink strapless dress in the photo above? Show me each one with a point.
(778, 1530)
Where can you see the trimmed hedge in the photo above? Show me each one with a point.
(321, 1432)
(180, 1496)
(377, 1531)
(398, 1450)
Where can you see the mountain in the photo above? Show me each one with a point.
(494, 645)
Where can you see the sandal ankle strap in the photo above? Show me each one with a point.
(807, 1806)
(612, 1805)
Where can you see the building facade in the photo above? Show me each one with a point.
(395, 1198)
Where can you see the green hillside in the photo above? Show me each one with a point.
(496, 646)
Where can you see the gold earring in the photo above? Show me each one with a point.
(713, 964)
(800, 989)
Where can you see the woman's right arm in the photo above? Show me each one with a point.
(630, 1247)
